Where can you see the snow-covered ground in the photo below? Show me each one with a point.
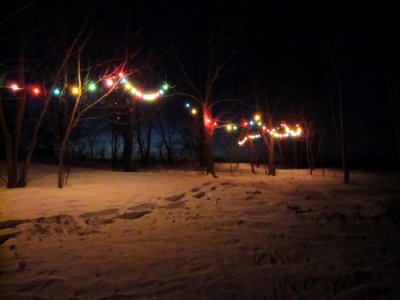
(184, 235)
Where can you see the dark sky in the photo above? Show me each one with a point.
(280, 44)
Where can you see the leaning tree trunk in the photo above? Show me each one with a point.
(28, 158)
(63, 169)
(252, 155)
(39, 121)
(73, 121)
(18, 177)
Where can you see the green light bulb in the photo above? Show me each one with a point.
(92, 87)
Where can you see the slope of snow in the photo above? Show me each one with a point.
(185, 235)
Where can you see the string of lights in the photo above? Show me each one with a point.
(92, 87)
(281, 132)
(247, 137)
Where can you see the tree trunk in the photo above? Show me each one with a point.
(114, 148)
(13, 138)
(269, 142)
(144, 146)
(147, 152)
(63, 169)
(61, 173)
(252, 154)
(140, 142)
(127, 155)
(28, 158)
(12, 166)
(208, 138)
(169, 155)
(202, 148)
(209, 154)
(271, 157)
(11, 160)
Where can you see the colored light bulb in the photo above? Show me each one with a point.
(109, 82)
(15, 87)
(56, 92)
(36, 91)
(75, 90)
(92, 87)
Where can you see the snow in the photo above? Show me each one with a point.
(184, 235)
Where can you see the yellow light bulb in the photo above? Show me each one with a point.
(75, 90)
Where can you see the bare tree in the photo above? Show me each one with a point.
(266, 108)
(203, 92)
(17, 174)
(12, 135)
(122, 120)
(82, 104)
(166, 146)
(127, 135)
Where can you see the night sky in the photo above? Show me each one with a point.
(279, 46)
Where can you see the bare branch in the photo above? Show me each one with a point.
(185, 74)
